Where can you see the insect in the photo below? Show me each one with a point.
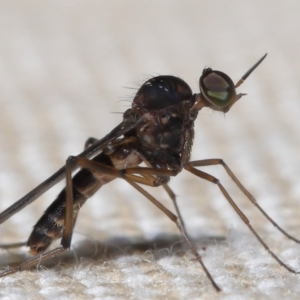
(158, 131)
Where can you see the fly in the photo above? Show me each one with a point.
(158, 130)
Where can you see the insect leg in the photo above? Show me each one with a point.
(150, 180)
(74, 162)
(128, 173)
(177, 222)
(67, 231)
(174, 200)
(90, 141)
(217, 161)
(34, 261)
(146, 176)
(13, 245)
(216, 181)
(68, 224)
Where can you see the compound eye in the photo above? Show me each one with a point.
(217, 88)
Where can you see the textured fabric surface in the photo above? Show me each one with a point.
(64, 71)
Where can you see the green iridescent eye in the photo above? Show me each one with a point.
(217, 88)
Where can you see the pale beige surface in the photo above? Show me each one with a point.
(63, 69)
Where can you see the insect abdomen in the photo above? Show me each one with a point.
(51, 224)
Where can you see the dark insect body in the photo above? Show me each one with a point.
(157, 130)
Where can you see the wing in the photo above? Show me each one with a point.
(93, 150)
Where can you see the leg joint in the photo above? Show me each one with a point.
(71, 160)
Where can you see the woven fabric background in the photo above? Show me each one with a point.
(64, 71)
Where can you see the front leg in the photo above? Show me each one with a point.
(218, 161)
(191, 168)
